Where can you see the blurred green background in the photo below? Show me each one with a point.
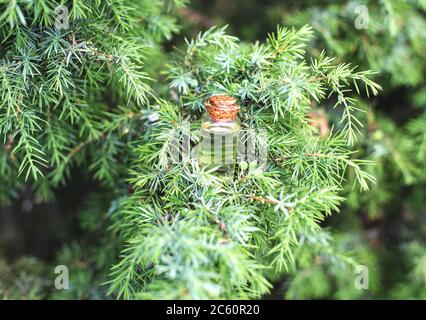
(385, 228)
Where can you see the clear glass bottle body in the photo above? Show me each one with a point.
(219, 145)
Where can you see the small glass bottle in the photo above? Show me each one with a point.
(219, 135)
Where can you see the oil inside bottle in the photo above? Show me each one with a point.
(219, 146)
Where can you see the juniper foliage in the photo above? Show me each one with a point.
(67, 93)
(83, 97)
(391, 40)
(191, 233)
(386, 36)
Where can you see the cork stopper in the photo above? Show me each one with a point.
(222, 108)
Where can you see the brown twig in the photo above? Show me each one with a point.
(264, 200)
(315, 79)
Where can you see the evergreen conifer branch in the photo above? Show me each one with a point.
(58, 87)
(190, 233)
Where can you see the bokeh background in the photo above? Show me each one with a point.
(385, 227)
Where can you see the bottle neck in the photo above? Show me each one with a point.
(221, 121)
